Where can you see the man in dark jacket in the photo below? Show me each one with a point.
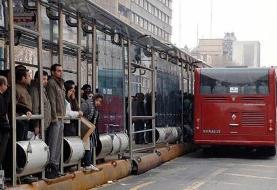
(34, 91)
(55, 91)
(23, 102)
(4, 122)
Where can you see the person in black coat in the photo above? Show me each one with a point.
(4, 121)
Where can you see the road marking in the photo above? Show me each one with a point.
(251, 176)
(253, 165)
(142, 185)
(229, 183)
(195, 185)
(198, 184)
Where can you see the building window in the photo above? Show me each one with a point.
(145, 24)
(156, 11)
(124, 11)
(136, 19)
(141, 22)
(141, 3)
(145, 5)
(133, 18)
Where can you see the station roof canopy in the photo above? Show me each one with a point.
(107, 21)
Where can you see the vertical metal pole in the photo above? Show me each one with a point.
(124, 85)
(188, 77)
(5, 39)
(182, 96)
(51, 31)
(130, 102)
(192, 79)
(79, 33)
(12, 70)
(40, 66)
(94, 40)
(153, 98)
(40, 69)
(60, 58)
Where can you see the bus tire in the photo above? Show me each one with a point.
(271, 151)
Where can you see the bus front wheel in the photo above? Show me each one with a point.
(270, 151)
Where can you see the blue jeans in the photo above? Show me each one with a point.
(55, 139)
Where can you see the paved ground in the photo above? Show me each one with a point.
(197, 171)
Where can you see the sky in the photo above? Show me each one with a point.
(250, 20)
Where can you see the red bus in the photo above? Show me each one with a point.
(235, 106)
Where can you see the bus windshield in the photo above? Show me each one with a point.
(246, 81)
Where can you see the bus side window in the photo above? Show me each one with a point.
(250, 89)
(219, 88)
(263, 88)
(205, 90)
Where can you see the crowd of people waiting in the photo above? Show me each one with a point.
(59, 102)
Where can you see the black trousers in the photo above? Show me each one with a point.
(4, 138)
(139, 137)
(22, 128)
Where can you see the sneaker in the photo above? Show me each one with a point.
(90, 168)
(87, 169)
(94, 168)
(29, 179)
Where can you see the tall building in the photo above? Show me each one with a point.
(246, 53)
(151, 17)
(228, 52)
(211, 51)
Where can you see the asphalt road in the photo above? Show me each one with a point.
(226, 170)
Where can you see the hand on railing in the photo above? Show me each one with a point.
(80, 114)
(29, 115)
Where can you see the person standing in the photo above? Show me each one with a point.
(90, 110)
(23, 102)
(55, 91)
(4, 121)
(72, 110)
(34, 91)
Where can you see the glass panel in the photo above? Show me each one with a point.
(234, 81)
(110, 84)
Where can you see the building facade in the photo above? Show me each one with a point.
(151, 17)
(246, 53)
(228, 52)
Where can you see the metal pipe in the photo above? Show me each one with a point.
(142, 131)
(12, 70)
(192, 79)
(124, 85)
(153, 97)
(26, 30)
(142, 67)
(143, 117)
(182, 96)
(130, 101)
(33, 117)
(94, 40)
(76, 46)
(40, 66)
(145, 148)
(79, 78)
(60, 57)
(188, 77)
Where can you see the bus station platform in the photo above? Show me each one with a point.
(111, 170)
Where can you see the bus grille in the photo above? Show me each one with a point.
(252, 119)
(252, 99)
(215, 99)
